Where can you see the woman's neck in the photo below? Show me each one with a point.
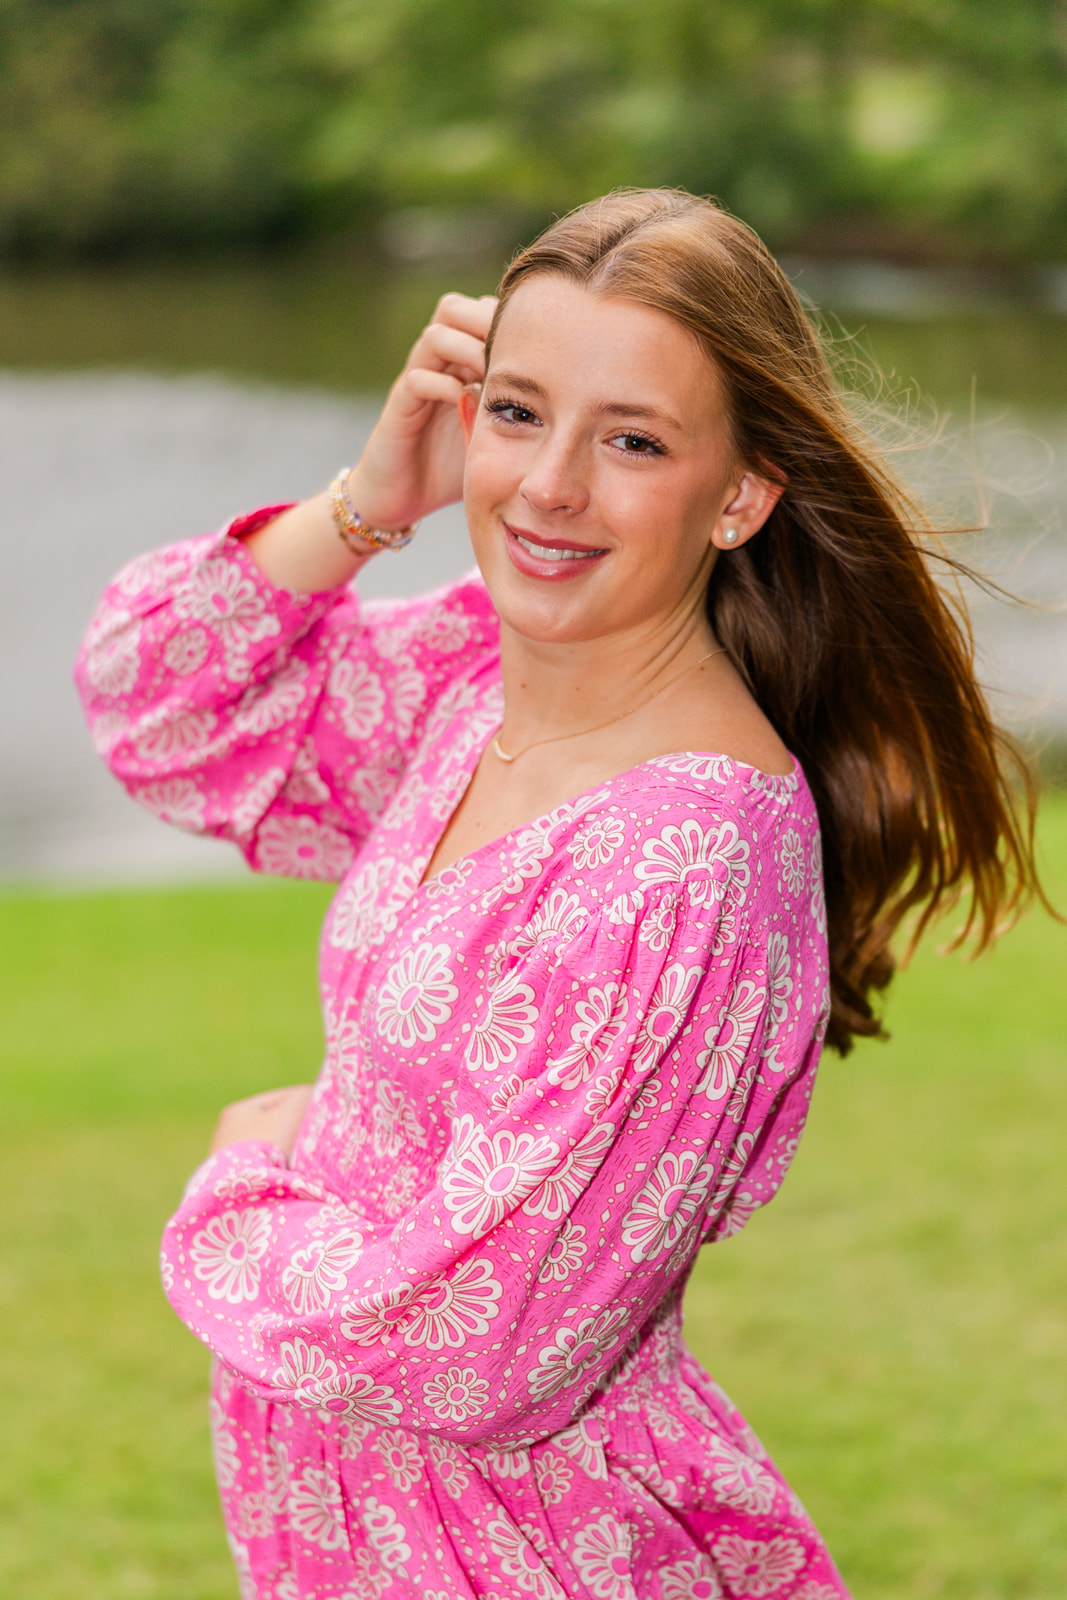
(557, 689)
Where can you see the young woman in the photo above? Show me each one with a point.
(581, 964)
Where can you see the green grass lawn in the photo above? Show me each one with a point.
(894, 1325)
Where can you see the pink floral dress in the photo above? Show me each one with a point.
(449, 1359)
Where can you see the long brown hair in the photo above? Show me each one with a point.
(831, 614)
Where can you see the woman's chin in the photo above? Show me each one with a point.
(545, 625)
(548, 613)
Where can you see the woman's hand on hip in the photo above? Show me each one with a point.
(275, 1116)
(413, 461)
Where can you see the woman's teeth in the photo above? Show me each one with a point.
(549, 553)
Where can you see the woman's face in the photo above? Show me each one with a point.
(599, 466)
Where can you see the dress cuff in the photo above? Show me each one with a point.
(248, 521)
(291, 606)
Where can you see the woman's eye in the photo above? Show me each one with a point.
(637, 444)
(512, 412)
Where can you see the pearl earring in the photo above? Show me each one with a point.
(730, 536)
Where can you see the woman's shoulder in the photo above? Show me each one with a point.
(733, 850)
(698, 824)
(709, 786)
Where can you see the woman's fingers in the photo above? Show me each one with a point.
(429, 385)
(449, 348)
(274, 1116)
(455, 336)
(412, 404)
(413, 462)
(464, 312)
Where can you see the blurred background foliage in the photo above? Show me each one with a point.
(920, 130)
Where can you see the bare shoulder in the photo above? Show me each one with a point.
(749, 738)
(720, 716)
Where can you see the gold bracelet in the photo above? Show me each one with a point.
(351, 526)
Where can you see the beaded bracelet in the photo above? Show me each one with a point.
(351, 526)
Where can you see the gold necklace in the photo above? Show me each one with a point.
(556, 737)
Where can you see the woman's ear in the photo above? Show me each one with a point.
(467, 406)
(750, 504)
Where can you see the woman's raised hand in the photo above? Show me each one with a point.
(412, 464)
(413, 461)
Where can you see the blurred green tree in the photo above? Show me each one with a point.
(921, 128)
(130, 120)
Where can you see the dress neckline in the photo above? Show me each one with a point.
(548, 817)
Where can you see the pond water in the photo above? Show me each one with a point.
(137, 407)
(344, 327)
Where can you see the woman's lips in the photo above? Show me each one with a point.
(537, 558)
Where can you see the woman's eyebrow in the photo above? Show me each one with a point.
(515, 380)
(605, 408)
(628, 408)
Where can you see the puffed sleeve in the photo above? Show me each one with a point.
(280, 721)
(641, 1090)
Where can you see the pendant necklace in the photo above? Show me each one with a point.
(578, 733)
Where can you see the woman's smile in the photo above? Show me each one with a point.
(537, 556)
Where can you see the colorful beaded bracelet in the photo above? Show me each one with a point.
(351, 526)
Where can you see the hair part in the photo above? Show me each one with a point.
(831, 614)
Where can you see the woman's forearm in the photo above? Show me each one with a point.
(302, 551)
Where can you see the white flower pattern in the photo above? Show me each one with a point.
(791, 862)
(180, 732)
(227, 601)
(357, 692)
(226, 1255)
(386, 1533)
(400, 1458)
(758, 1567)
(316, 1510)
(320, 1270)
(565, 1254)
(693, 1579)
(554, 1478)
(597, 842)
(603, 1553)
(711, 862)
(456, 1395)
(740, 1481)
(186, 652)
(493, 1174)
(394, 1123)
(727, 1041)
(668, 1203)
(113, 661)
(505, 1025)
(600, 1022)
(779, 976)
(417, 995)
(303, 847)
(553, 1198)
(267, 706)
(666, 1013)
(175, 800)
(454, 1307)
(573, 1350)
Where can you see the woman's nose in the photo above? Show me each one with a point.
(556, 480)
